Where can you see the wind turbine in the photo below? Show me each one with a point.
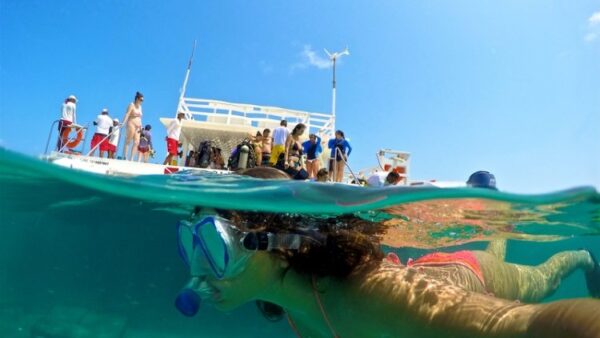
(333, 57)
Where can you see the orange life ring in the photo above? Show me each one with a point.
(74, 142)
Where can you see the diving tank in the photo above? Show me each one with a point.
(243, 159)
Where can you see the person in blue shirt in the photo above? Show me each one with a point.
(312, 149)
(340, 150)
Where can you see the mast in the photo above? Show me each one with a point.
(185, 81)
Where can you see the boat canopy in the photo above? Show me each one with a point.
(227, 124)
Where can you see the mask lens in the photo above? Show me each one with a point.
(185, 242)
(213, 246)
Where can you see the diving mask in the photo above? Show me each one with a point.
(211, 246)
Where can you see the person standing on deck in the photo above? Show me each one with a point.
(339, 157)
(133, 121)
(145, 148)
(267, 143)
(68, 117)
(173, 132)
(113, 139)
(103, 123)
(280, 135)
(312, 149)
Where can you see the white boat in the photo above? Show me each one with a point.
(226, 124)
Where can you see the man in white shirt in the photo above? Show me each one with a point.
(173, 132)
(113, 139)
(103, 123)
(383, 179)
(280, 134)
(68, 117)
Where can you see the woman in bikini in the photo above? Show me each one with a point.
(133, 121)
(293, 148)
(332, 279)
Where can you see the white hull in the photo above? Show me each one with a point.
(106, 166)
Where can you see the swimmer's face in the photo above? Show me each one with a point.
(263, 270)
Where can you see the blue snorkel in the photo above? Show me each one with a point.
(188, 300)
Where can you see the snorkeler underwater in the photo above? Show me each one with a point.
(307, 169)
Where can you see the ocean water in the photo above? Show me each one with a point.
(83, 255)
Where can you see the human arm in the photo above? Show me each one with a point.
(128, 113)
(349, 148)
(319, 147)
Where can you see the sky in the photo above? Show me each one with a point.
(511, 86)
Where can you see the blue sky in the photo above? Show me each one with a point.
(508, 86)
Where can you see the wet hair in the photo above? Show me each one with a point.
(138, 95)
(392, 178)
(298, 128)
(341, 133)
(322, 175)
(340, 245)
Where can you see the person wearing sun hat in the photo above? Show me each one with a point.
(68, 117)
(103, 123)
(173, 132)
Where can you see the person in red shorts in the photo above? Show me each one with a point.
(173, 132)
(113, 140)
(103, 123)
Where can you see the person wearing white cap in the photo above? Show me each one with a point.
(103, 123)
(68, 117)
(113, 139)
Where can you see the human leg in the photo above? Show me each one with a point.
(339, 175)
(531, 283)
(497, 248)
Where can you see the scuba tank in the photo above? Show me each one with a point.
(243, 160)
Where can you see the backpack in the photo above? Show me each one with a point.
(233, 163)
(205, 154)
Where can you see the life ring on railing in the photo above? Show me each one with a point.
(74, 142)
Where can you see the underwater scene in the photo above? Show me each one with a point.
(85, 255)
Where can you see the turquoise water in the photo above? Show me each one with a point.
(83, 255)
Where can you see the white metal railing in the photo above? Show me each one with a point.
(260, 117)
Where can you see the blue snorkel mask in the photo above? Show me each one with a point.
(211, 246)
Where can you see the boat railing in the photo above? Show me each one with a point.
(260, 117)
(65, 145)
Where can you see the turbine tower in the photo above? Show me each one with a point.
(333, 57)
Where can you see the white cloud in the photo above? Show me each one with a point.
(589, 37)
(594, 19)
(310, 58)
(593, 31)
